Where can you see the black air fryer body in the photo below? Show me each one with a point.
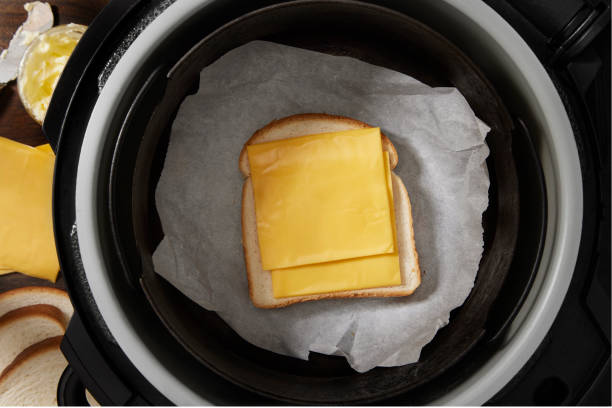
(571, 366)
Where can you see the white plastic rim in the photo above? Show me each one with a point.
(560, 163)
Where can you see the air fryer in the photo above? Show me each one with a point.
(194, 344)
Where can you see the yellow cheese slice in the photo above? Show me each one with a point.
(26, 229)
(46, 148)
(351, 274)
(321, 198)
(43, 148)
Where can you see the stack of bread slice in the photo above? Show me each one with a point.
(32, 323)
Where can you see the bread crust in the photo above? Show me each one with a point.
(260, 280)
(32, 289)
(31, 351)
(46, 311)
(58, 298)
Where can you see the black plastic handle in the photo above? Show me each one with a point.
(70, 390)
(95, 374)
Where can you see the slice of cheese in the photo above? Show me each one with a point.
(43, 148)
(321, 198)
(351, 274)
(27, 244)
(46, 148)
(358, 273)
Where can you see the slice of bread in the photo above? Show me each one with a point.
(32, 378)
(36, 295)
(20, 328)
(260, 280)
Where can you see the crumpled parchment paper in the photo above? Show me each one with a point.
(442, 156)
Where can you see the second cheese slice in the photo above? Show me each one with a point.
(26, 228)
(352, 274)
(321, 198)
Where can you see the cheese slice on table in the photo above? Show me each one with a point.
(357, 273)
(46, 148)
(321, 198)
(27, 243)
(43, 148)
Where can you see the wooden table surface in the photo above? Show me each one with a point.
(14, 121)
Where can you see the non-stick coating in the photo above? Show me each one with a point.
(370, 33)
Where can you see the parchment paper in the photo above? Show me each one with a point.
(441, 151)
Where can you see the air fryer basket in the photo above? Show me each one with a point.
(379, 36)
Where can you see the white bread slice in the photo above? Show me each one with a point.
(36, 295)
(260, 280)
(32, 378)
(20, 328)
